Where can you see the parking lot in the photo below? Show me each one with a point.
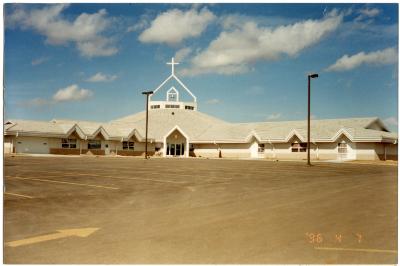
(131, 210)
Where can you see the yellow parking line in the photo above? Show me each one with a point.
(62, 182)
(358, 249)
(18, 195)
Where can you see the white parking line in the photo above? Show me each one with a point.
(358, 249)
(61, 182)
(18, 195)
(115, 177)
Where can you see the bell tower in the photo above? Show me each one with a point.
(172, 99)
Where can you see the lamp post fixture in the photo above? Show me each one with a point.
(147, 93)
(310, 76)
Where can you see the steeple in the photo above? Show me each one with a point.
(172, 95)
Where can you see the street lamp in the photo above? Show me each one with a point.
(310, 76)
(147, 93)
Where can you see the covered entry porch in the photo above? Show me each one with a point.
(176, 143)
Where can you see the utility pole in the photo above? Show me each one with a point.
(147, 93)
(310, 76)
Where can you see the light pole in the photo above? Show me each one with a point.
(147, 93)
(310, 76)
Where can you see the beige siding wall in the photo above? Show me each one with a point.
(320, 151)
(381, 150)
(35, 145)
(326, 151)
(375, 151)
(54, 144)
(8, 144)
(366, 151)
(227, 150)
(116, 147)
(391, 149)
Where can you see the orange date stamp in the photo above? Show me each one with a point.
(318, 238)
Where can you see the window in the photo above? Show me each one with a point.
(342, 148)
(157, 106)
(191, 147)
(172, 106)
(299, 147)
(128, 145)
(172, 95)
(261, 147)
(94, 144)
(188, 107)
(68, 143)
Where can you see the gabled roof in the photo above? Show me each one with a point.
(203, 128)
(172, 76)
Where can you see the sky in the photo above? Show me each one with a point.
(244, 62)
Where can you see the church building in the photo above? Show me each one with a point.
(177, 129)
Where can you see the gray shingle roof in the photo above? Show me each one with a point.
(200, 127)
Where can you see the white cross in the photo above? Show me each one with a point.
(172, 63)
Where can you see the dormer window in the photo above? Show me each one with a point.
(172, 95)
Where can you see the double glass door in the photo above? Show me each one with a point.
(175, 149)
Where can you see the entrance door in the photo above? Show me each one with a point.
(107, 149)
(342, 151)
(175, 149)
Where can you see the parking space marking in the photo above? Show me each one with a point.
(63, 174)
(77, 232)
(141, 179)
(358, 249)
(19, 195)
(62, 182)
(127, 178)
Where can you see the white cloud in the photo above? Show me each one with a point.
(39, 61)
(369, 12)
(234, 50)
(100, 77)
(181, 54)
(36, 102)
(72, 93)
(86, 31)
(367, 15)
(173, 26)
(391, 121)
(274, 116)
(97, 47)
(213, 101)
(380, 57)
(140, 25)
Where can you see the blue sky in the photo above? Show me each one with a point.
(244, 62)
